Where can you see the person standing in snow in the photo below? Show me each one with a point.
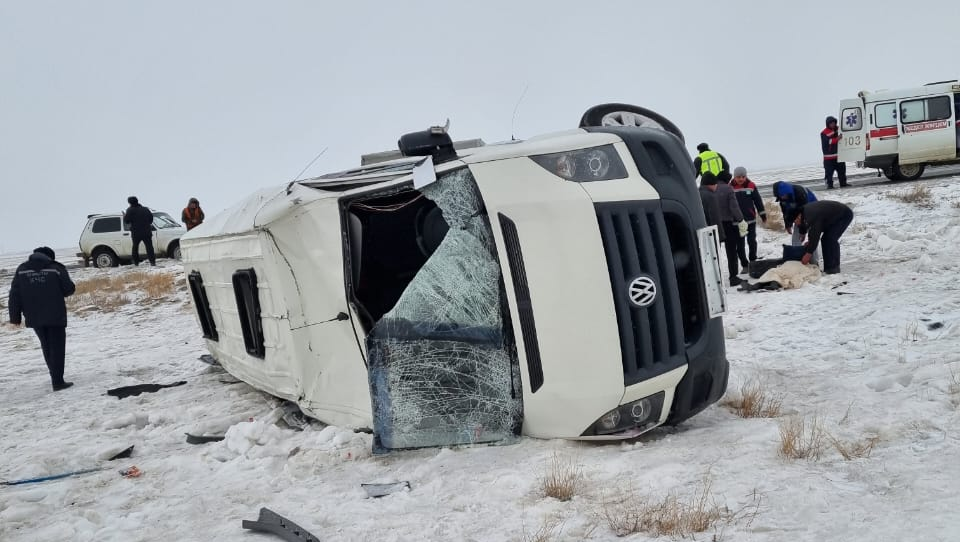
(37, 293)
(829, 140)
(711, 207)
(730, 221)
(710, 161)
(751, 205)
(139, 220)
(192, 215)
(825, 222)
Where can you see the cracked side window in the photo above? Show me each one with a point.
(442, 362)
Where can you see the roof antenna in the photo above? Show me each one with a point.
(513, 121)
(304, 170)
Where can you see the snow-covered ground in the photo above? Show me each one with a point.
(873, 352)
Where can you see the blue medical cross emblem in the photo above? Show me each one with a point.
(851, 120)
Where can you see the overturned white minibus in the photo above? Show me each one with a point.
(561, 287)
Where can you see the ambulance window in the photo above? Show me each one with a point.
(938, 108)
(886, 115)
(852, 119)
(925, 109)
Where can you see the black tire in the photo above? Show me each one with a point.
(173, 251)
(910, 172)
(104, 257)
(889, 174)
(612, 115)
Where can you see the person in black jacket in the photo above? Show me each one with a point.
(825, 222)
(139, 220)
(37, 293)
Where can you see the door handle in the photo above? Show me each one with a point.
(126, 234)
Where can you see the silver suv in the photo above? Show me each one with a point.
(106, 241)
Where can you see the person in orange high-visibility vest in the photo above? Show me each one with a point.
(192, 215)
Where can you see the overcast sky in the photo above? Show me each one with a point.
(169, 100)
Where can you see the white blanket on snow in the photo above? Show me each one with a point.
(791, 274)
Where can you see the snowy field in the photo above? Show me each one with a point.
(871, 357)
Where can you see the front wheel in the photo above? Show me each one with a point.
(175, 252)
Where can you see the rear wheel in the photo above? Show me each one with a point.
(104, 257)
(908, 172)
(627, 115)
(174, 251)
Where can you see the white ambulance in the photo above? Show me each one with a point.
(901, 131)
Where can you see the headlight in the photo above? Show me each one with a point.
(584, 165)
(642, 414)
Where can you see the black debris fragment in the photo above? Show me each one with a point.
(203, 439)
(271, 522)
(137, 389)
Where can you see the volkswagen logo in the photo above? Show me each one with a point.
(642, 291)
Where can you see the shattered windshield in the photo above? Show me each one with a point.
(442, 368)
(163, 220)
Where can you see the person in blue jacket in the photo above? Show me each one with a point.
(792, 198)
(37, 294)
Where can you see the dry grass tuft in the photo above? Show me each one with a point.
(562, 479)
(107, 293)
(919, 195)
(774, 217)
(855, 449)
(755, 401)
(673, 515)
(551, 527)
(953, 388)
(800, 439)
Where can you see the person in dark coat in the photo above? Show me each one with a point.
(792, 198)
(825, 222)
(139, 220)
(711, 207)
(829, 142)
(751, 206)
(37, 294)
(730, 220)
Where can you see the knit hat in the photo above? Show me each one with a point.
(708, 179)
(739, 171)
(132, 200)
(831, 119)
(46, 251)
(703, 147)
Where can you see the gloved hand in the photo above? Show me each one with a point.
(743, 228)
(763, 217)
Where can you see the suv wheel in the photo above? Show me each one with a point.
(175, 253)
(627, 115)
(104, 257)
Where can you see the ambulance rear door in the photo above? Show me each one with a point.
(853, 131)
